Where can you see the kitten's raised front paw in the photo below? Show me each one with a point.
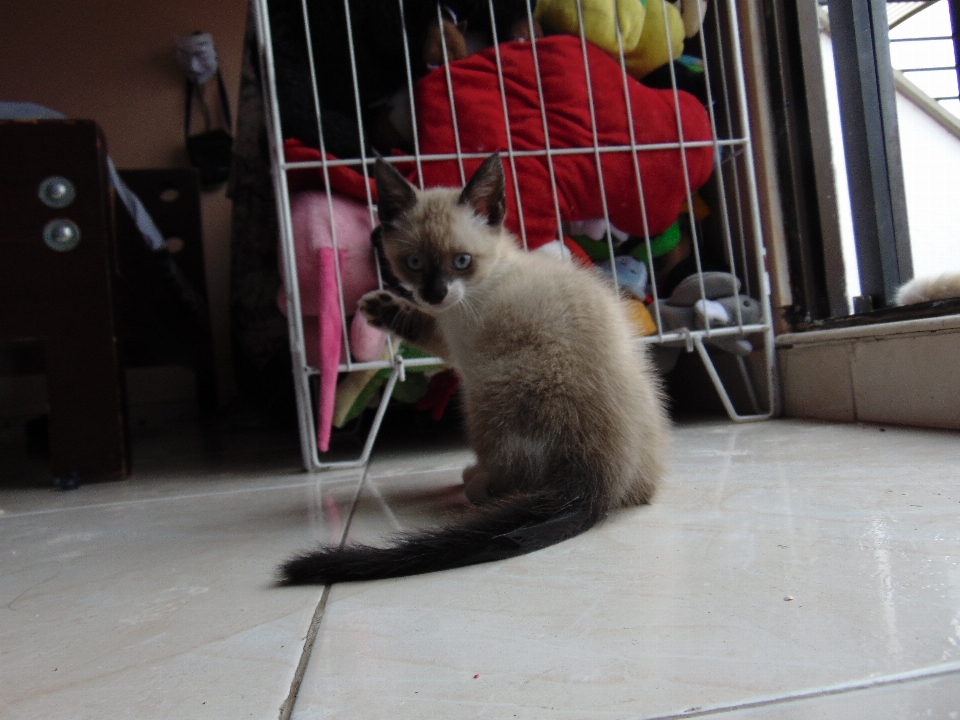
(380, 308)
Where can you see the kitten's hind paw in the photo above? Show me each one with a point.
(380, 308)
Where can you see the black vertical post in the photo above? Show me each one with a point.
(955, 33)
(871, 140)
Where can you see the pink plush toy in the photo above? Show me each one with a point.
(319, 297)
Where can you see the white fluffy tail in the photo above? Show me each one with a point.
(925, 289)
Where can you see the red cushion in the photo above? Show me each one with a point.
(479, 111)
(343, 179)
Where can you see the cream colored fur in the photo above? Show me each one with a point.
(925, 289)
(554, 387)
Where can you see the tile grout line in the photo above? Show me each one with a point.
(286, 709)
(927, 673)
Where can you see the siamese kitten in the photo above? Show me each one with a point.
(563, 412)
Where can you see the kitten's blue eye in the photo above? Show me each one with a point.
(415, 262)
(461, 261)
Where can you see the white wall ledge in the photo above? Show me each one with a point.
(877, 331)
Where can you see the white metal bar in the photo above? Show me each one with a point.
(547, 152)
(413, 103)
(721, 184)
(683, 163)
(733, 161)
(385, 364)
(453, 105)
(647, 147)
(738, 73)
(363, 158)
(722, 391)
(374, 429)
(636, 170)
(324, 165)
(596, 145)
(765, 327)
(359, 110)
(511, 156)
(748, 383)
(678, 337)
(338, 272)
(285, 223)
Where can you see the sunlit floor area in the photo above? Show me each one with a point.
(785, 570)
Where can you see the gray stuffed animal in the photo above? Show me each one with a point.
(688, 308)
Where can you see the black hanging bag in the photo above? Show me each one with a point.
(210, 151)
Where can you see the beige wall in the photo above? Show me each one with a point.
(113, 61)
(899, 372)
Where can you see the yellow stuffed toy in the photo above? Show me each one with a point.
(647, 44)
(656, 47)
(561, 16)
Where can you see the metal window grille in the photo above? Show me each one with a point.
(940, 71)
(735, 231)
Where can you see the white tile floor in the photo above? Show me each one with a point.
(786, 570)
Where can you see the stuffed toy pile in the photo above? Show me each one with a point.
(483, 129)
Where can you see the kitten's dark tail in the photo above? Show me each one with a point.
(501, 529)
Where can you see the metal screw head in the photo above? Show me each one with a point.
(56, 192)
(61, 235)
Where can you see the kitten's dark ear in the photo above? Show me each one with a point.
(486, 192)
(395, 195)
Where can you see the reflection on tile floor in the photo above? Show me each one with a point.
(780, 560)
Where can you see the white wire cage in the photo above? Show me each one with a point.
(431, 103)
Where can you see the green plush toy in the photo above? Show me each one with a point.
(598, 250)
(358, 389)
(659, 245)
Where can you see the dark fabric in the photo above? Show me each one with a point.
(210, 151)
(259, 338)
(381, 61)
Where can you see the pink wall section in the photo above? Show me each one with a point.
(113, 61)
